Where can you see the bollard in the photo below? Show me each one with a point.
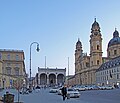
(8, 98)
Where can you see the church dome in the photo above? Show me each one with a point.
(95, 27)
(95, 24)
(115, 40)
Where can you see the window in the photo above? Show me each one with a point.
(105, 72)
(92, 63)
(8, 56)
(17, 71)
(91, 47)
(98, 47)
(107, 77)
(117, 69)
(117, 76)
(17, 57)
(112, 70)
(17, 65)
(109, 53)
(87, 65)
(97, 62)
(8, 64)
(115, 52)
(8, 70)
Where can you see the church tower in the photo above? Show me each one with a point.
(95, 49)
(78, 55)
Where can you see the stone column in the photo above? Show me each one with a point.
(38, 79)
(47, 79)
(56, 79)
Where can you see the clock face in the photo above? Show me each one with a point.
(97, 42)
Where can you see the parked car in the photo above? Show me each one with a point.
(81, 88)
(59, 92)
(102, 87)
(53, 90)
(37, 87)
(108, 87)
(95, 87)
(72, 93)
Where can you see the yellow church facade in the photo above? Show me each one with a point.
(86, 65)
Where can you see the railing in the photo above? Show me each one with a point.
(11, 50)
(14, 76)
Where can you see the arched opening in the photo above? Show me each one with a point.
(43, 79)
(52, 80)
(60, 79)
(98, 47)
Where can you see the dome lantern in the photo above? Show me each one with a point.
(116, 33)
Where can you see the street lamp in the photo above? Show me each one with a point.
(30, 61)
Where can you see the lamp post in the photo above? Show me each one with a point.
(68, 71)
(30, 84)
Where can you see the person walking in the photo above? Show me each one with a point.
(64, 92)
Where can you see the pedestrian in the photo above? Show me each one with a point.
(64, 92)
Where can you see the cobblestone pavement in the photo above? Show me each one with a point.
(92, 96)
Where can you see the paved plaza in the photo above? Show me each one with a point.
(92, 96)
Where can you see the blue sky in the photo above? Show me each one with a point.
(56, 25)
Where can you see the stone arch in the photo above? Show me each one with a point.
(43, 79)
(52, 79)
(60, 79)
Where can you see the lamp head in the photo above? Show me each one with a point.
(37, 48)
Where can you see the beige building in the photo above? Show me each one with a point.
(12, 67)
(86, 65)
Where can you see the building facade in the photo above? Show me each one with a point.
(12, 67)
(86, 66)
(51, 76)
(109, 73)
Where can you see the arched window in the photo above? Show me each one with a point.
(115, 52)
(98, 47)
(98, 62)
